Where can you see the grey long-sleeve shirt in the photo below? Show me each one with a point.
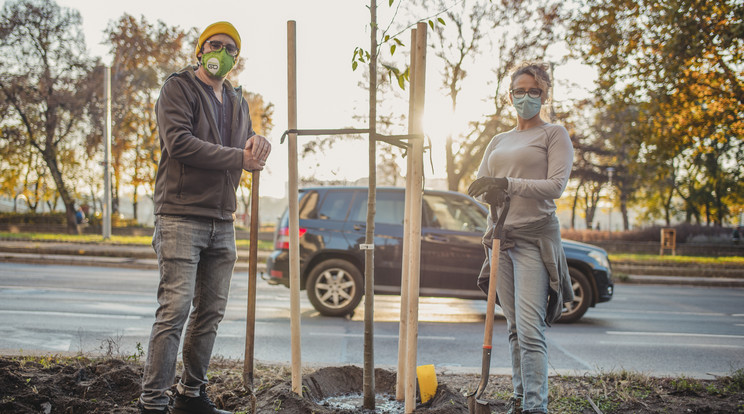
(537, 163)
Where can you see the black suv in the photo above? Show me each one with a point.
(333, 224)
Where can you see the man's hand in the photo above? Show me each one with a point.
(257, 150)
(493, 189)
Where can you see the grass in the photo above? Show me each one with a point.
(96, 238)
(268, 246)
(733, 260)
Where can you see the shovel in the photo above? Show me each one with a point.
(476, 405)
(250, 322)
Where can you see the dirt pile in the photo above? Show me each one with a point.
(80, 385)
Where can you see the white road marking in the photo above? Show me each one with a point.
(669, 344)
(68, 314)
(555, 344)
(673, 334)
(655, 312)
(350, 335)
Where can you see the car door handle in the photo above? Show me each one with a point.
(360, 226)
(435, 239)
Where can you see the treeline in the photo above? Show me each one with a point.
(52, 105)
(665, 120)
(662, 132)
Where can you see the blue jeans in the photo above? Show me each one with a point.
(196, 257)
(523, 296)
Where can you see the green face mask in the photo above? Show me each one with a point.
(218, 63)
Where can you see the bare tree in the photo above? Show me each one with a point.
(45, 79)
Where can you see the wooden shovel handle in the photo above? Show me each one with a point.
(250, 322)
(491, 304)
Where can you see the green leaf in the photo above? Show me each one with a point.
(387, 37)
(441, 20)
(354, 65)
(401, 81)
(392, 49)
(431, 24)
(398, 41)
(390, 2)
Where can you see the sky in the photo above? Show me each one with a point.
(328, 92)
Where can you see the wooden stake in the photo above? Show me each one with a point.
(405, 274)
(415, 233)
(294, 219)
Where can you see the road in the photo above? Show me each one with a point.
(656, 330)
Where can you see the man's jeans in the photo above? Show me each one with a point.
(523, 296)
(196, 257)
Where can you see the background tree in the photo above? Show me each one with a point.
(144, 54)
(262, 116)
(509, 32)
(680, 63)
(45, 80)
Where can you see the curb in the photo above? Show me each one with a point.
(682, 281)
(143, 257)
(100, 261)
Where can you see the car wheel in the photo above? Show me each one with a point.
(334, 287)
(573, 311)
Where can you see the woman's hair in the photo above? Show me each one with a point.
(539, 71)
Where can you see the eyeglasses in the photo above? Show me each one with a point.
(217, 45)
(533, 93)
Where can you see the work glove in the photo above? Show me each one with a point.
(493, 189)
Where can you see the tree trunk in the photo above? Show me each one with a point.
(368, 381)
(575, 204)
(453, 180)
(135, 202)
(50, 158)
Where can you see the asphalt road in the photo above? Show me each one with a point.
(657, 330)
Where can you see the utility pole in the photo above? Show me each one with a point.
(610, 170)
(106, 225)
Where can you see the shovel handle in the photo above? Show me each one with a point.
(491, 303)
(493, 276)
(250, 321)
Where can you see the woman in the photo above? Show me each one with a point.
(530, 163)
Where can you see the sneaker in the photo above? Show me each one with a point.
(514, 406)
(196, 405)
(143, 410)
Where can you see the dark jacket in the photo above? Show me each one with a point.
(546, 235)
(197, 176)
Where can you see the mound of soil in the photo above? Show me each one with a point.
(79, 385)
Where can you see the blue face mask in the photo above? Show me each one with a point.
(527, 107)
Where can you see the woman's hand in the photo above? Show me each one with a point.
(493, 189)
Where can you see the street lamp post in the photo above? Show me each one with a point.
(610, 170)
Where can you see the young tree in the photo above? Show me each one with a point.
(45, 79)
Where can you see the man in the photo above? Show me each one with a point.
(206, 139)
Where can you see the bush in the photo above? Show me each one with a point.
(686, 233)
(56, 218)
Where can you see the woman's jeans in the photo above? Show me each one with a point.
(523, 296)
(196, 257)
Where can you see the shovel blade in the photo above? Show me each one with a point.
(478, 406)
(482, 407)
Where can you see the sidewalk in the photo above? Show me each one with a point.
(143, 257)
(93, 254)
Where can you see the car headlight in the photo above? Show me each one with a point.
(600, 257)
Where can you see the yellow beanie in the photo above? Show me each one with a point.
(217, 28)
